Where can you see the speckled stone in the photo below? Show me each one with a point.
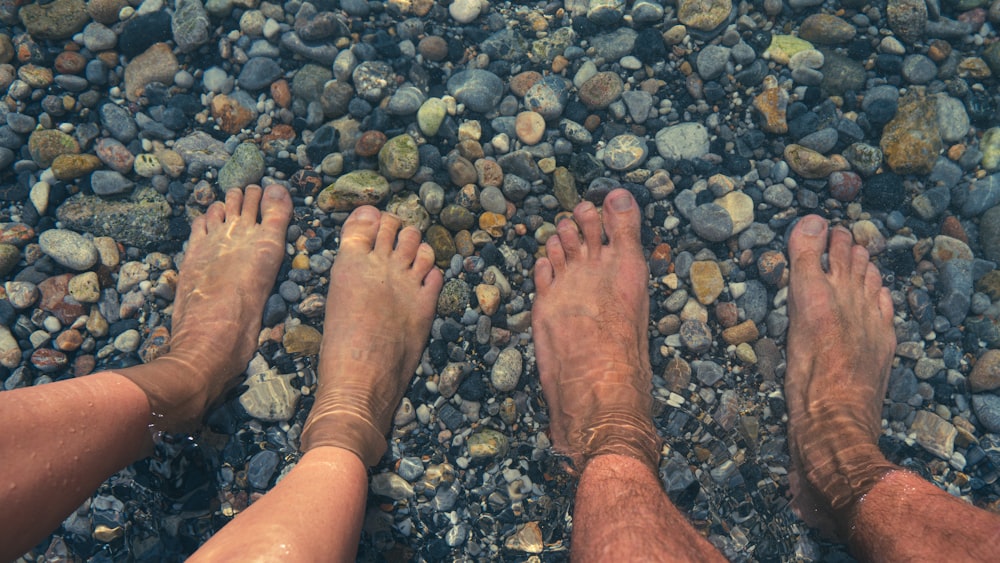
(302, 340)
(506, 370)
(486, 445)
(454, 298)
(706, 281)
(69, 249)
(352, 190)
(398, 158)
(911, 141)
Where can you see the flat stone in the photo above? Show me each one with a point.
(704, 15)
(391, 485)
(156, 64)
(811, 164)
(934, 434)
(487, 445)
(59, 19)
(270, 396)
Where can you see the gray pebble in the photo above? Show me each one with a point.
(261, 468)
(506, 370)
(69, 249)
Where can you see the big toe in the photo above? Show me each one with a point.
(806, 246)
(275, 207)
(621, 218)
(360, 229)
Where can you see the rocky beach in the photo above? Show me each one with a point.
(483, 123)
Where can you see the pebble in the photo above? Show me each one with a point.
(934, 434)
(486, 445)
(69, 249)
(478, 89)
(506, 370)
(600, 90)
(270, 396)
(245, 167)
(156, 64)
(684, 141)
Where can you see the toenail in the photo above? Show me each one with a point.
(621, 202)
(366, 213)
(813, 225)
(273, 192)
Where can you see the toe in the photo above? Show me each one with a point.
(215, 215)
(360, 229)
(406, 245)
(251, 202)
(275, 207)
(543, 275)
(234, 203)
(388, 227)
(621, 219)
(433, 281)
(199, 227)
(589, 220)
(423, 262)
(861, 266)
(805, 247)
(556, 254)
(841, 262)
(885, 306)
(569, 239)
(872, 282)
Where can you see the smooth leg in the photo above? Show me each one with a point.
(314, 514)
(61, 440)
(840, 348)
(590, 320)
(59, 443)
(383, 292)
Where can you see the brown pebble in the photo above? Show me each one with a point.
(69, 340)
(492, 223)
(771, 266)
(433, 48)
(743, 332)
(281, 93)
(47, 360)
(661, 259)
(727, 313)
(470, 149)
(559, 64)
(530, 127)
(84, 365)
(489, 172)
(69, 62)
(985, 374)
(156, 345)
(677, 375)
(370, 143)
(591, 123)
(952, 227)
(938, 50)
(520, 83)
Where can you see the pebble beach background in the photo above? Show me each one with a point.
(483, 123)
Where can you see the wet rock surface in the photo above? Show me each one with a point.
(483, 123)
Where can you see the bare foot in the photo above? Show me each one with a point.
(383, 293)
(589, 322)
(840, 347)
(229, 268)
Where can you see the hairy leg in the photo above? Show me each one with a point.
(63, 439)
(840, 349)
(589, 321)
(383, 292)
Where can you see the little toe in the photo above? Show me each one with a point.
(589, 220)
(199, 227)
(543, 275)
(433, 281)
(841, 242)
(622, 219)
(215, 215)
(388, 227)
(407, 243)
(275, 207)
(234, 203)
(556, 254)
(872, 281)
(360, 229)
(569, 237)
(806, 246)
(423, 261)
(885, 306)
